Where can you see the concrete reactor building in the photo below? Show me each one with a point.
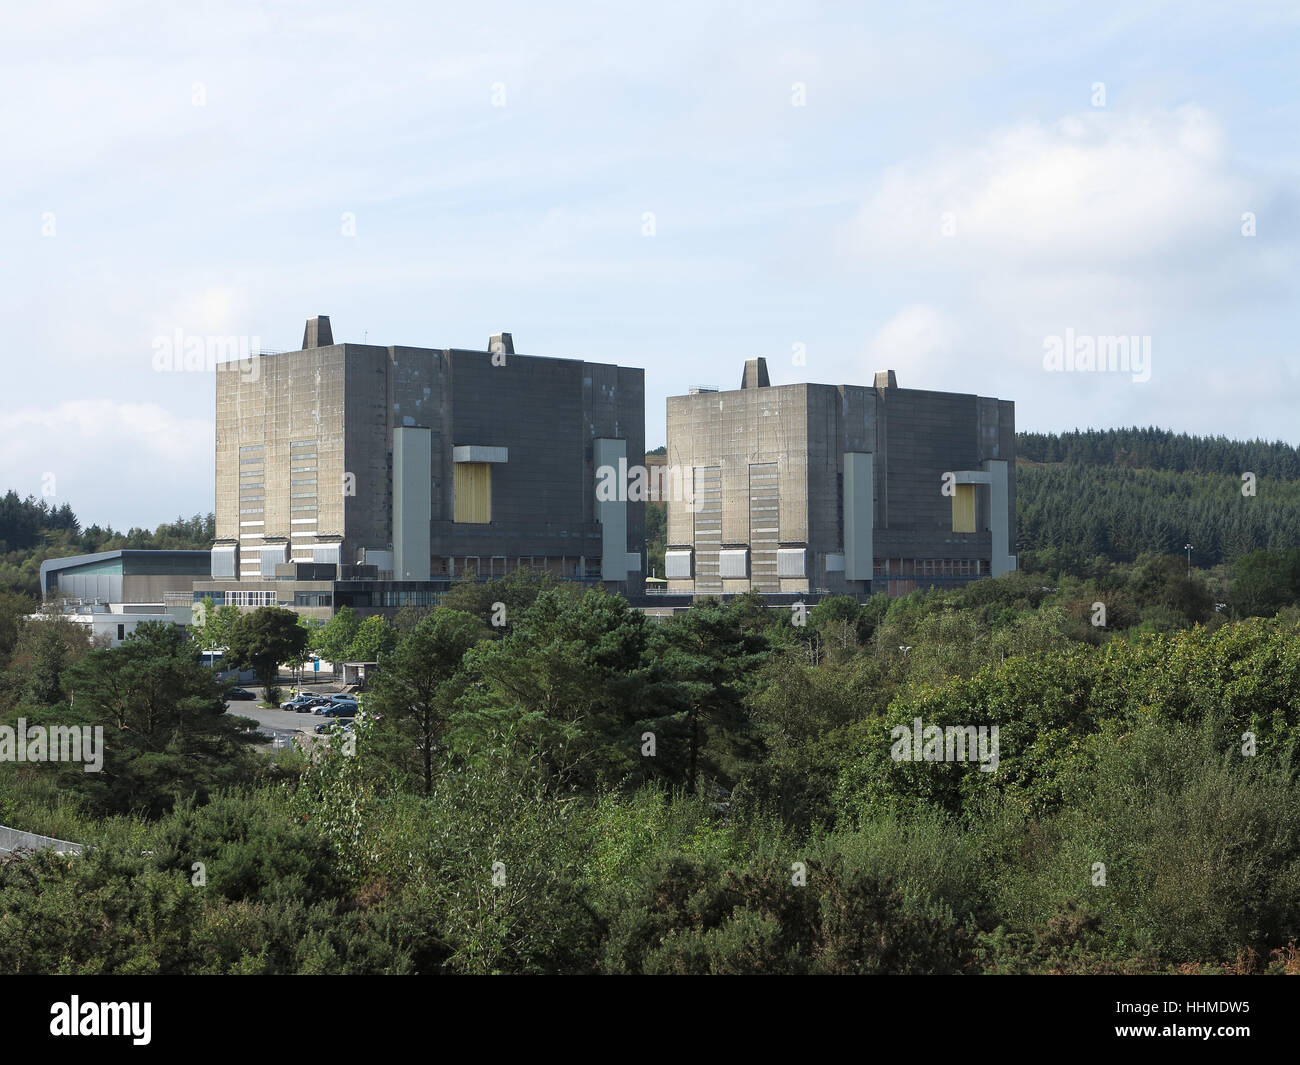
(842, 489)
(372, 477)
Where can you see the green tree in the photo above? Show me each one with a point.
(337, 635)
(1264, 582)
(213, 633)
(265, 638)
(706, 656)
(168, 734)
(374, 637)
(419, 680)
(573, 677)
(1163, 581)
(46, 647)
(14, 609)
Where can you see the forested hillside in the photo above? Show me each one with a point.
(1161, 449)
(1121, 493)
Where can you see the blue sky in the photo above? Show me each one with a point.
(931, 188)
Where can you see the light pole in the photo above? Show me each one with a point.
(1188, 549)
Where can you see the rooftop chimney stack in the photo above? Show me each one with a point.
(501, 344)
(755, 374)
(886, 379)
(317, 334)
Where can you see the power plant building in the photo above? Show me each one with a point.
(840, 489)
(373, 477)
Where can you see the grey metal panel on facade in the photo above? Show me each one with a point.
(612, 514)
(225, 561)
(792, 562)
(412, 463)
(733, 563)
(859, 519)
(677, 564)
(105, 586)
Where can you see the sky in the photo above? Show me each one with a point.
(951, 191)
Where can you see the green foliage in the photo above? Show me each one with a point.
(217, 625)
(708, 654)
(1122, 513)
(497, 809)
(656, 537)
(574, 677)
(1162, 449)
(336, 637)
(167, 734)
(418, 684)
(692, 916)
(263, 640)
(1265, 581)
(516, 592)
(374, 637)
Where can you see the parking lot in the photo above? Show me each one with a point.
(281, 725)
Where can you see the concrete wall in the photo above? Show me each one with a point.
(11, 839)
(297, 397)
(913, 438)
(349, 398)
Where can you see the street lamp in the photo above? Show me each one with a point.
(1188, 548)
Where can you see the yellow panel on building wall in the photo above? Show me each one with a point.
(472, 492)
(963, 508)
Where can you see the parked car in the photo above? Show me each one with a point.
(343, 724)
(301, 703)
(338, 710)
(240, 693)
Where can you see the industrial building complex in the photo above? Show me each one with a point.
(373, 477)
(842, 489)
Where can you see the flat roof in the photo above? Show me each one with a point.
(124, 555)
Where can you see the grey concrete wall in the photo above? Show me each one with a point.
(913, 436)
(349, 398)
(12, 839)
(297, 396)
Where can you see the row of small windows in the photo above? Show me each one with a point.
(250, 598)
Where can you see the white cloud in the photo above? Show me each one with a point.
(918, 344)
(1095, 191)
(101, 452)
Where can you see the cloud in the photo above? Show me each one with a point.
(1091, 192)
(100, 452)
(918, 344)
